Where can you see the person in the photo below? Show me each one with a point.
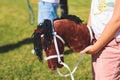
(47, 9)
(64, 7)
(104, 19)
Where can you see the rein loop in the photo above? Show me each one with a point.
(73, 71)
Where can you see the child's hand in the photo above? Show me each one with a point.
(89, 50)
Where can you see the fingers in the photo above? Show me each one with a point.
(86, 50)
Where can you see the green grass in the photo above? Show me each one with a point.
(16, 61)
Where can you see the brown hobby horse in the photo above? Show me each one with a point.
(75, 34)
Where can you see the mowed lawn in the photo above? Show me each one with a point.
(16, 60)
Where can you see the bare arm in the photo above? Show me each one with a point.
(108, 33)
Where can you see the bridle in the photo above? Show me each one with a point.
(58, 56)
(55, 36)
(56, 47)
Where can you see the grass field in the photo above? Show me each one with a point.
(16, 60)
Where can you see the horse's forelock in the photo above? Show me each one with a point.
(42, 29)
(47, 31)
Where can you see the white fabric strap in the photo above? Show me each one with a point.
(60, 39)
(91, 34)
(53, 56)
(61, 62)
(73, 71)
(58, 54)
(56, 47)
(55, 34)
(66, 66)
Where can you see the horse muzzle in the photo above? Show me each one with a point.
(54, 61)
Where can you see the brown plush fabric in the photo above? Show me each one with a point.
(76, 37)
(70, 29)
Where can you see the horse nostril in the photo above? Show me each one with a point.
(60, 65)
(53, 68)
